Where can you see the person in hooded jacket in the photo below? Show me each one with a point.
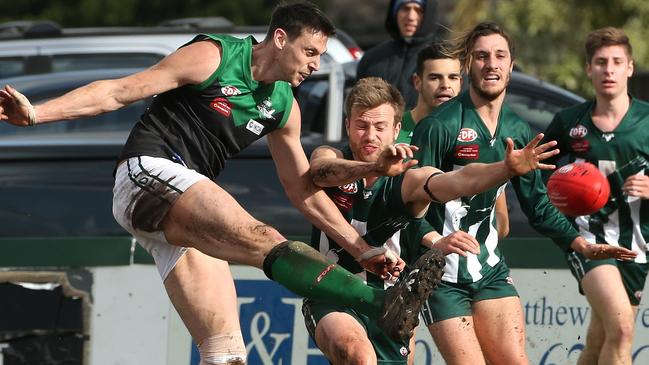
(412, 24)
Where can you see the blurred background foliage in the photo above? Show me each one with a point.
(549, 34)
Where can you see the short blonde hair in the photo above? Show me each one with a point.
(371, 92)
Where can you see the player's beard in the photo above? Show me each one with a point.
(486, 94)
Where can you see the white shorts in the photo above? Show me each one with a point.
(145, 189)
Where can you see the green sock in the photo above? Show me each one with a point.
(308, 273)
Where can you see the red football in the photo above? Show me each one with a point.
(578, 189)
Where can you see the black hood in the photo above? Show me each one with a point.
(427, 28)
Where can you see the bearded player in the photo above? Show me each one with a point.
(475, 315)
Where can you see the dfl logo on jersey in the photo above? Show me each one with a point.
(579, 131)
(579, 144)
(467, 135)
(230, 90)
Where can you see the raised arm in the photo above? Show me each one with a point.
(330, 168)
(188, 65)
(422, 185)
(293, 170)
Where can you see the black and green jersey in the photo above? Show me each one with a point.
(407, 126)
(378, 214)
(204, 125)
(625, 219)
(454, 136)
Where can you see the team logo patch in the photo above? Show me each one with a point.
(222, 105)
(467, 135)
(230, 90)
(580, 145)
(255, 127)
(266, 110)
(468, 152)
(351, 188)
(509, 280)
(608, 136)
(404, 351)
(638, 294)
(579, 131)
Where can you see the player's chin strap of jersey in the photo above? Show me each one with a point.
(616, 179)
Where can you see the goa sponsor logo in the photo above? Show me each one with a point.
(579, 131)
(467, 135)
(230, 90)
(351, 188)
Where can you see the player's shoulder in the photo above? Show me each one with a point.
(575, 112)
(640, 106)
(447, 115)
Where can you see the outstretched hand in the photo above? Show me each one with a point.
(522, 161)
(395, 159)
(605, 251)
(15, 108)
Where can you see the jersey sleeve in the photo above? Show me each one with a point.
(553, 133)
(534, 202)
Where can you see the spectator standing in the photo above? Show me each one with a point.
(412, 25)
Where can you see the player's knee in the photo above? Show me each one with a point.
(354, 352)
(622, 333)
(225, 349)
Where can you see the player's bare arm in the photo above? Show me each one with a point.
(188, 65)
(330, 168)
(601, 251)
(293, 171)
(502, 216)
(477, 177)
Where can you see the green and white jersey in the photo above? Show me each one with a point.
(407, 126)
(453, 136)
(626, 219)
(378, 214)
(204, 125)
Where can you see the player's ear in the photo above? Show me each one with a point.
(416, 81)
(280, 38)
(397, 129)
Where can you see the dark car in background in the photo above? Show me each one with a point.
(56, 179)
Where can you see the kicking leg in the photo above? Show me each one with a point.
(209, 219)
